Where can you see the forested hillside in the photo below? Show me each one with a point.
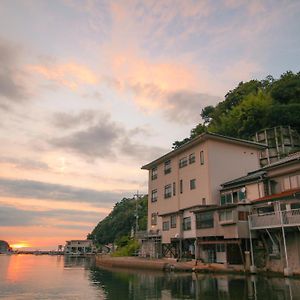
(120, 221)
(252, 106)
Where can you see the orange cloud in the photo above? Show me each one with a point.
(70, 75)
(48, 204)
(152, 81)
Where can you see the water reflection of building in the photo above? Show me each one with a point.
(156, 285)
(203, 195)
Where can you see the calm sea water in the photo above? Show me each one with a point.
(56, 277)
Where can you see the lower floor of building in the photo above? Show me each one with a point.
(268, 250)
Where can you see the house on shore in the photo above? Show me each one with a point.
(210, 200)
(79, 247)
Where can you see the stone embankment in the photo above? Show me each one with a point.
(164, 264)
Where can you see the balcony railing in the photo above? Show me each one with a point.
(147, 234)
(286, 218)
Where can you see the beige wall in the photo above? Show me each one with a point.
(172, 232)
(223, 161)
(228, 230)
(227, 162)
(254, 191)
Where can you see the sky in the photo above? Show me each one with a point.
(92, 90)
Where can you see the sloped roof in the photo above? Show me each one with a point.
(289, 193)
(251, 176)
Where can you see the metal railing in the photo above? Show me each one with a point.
(284, 218)
(147, 234)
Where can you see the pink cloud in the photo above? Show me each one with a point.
(70, 75)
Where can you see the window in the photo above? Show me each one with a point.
(242, 194)
(174, 188)
(154, 173)
(166, 225)
(168, 167)
(295, 205)
(203, 201)
(183, 162)
(154, 196)
(181, 186)
(243, 215)
(291, 182)
(233, 196)
(186, 223)
(205, 220)
(201, 157)
(173, 221)
(192, 184)
(154, 219)
(226, 215)
(265, 210)
(168, 191)
(226, 199)
(192, 158)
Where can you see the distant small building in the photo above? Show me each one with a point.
(79, 247)
(4, 247)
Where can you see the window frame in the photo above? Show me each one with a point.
(154, 198)
(193, 184)
(167, 166)
(226, 212)
(187, 223)
(168, 191)
(192, 158)
(173, 221)
(154, 173)
(166, 225)
(201, 157)
(205, 220)
(154, 219)
(183, 162)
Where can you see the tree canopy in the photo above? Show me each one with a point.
(120, 221)
(252, 106)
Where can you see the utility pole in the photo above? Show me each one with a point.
(136, 197)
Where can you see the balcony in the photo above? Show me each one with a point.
(286, 218)
(148, 234)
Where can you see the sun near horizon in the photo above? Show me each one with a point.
(20, 245)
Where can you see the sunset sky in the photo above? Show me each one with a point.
(91, 90)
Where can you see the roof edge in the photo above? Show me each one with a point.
(201, 138)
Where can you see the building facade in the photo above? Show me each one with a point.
(79, 247)
(272, 197)
(187, 179)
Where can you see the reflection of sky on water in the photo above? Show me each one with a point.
(57, 277)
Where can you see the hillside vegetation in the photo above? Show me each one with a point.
(120, 222)
(252, 106)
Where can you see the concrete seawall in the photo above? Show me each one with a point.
(167, 264)
(164, 264)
